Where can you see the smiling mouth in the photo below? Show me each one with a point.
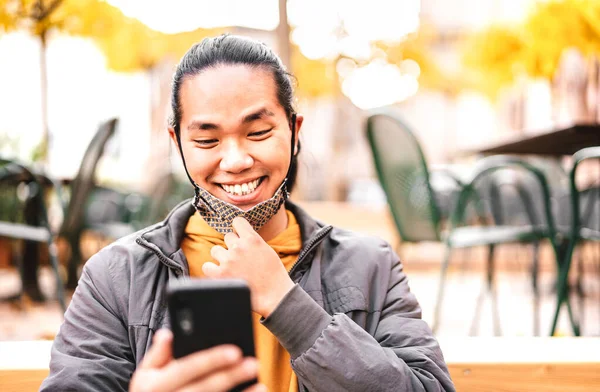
(242, 189)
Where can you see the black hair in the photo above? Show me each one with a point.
(231, 49)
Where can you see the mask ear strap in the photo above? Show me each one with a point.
(196, 187)
(293, 127)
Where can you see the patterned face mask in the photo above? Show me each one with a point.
(219, 214)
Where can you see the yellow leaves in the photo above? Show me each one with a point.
(494, 57)
(316, 78)
(7, 15)
(134, 46)
(498, 54)
(32, 15)
(417, 47)
(12, 14)
(557, 25)
(128, 44)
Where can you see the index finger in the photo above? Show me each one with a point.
(242, 227)
(160, 352)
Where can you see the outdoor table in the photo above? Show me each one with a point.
(558, 142)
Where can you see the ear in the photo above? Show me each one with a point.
(299, 122)
(173, 137)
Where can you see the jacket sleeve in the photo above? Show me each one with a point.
(333, 353)
(91, 351)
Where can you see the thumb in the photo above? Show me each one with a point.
(161, 351)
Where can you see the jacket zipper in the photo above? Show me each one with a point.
(309, 247)
(305, 251)
(166, 261)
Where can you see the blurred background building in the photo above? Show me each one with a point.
(462, 72)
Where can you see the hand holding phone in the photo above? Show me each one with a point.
(217, 369)
(206, 313)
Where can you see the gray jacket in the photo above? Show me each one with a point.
(349, 324)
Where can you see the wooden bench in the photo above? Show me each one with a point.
(523, 364)
(23, 365)
(476, 364)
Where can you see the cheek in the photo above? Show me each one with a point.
(200, 163)
(276, 154)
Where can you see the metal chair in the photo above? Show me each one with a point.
(402, 170)
(112, 213)
(80, 189)
(581, 229)
(35, 230)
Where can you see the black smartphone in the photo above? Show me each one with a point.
(210, 312)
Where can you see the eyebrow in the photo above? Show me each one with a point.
(206, 126)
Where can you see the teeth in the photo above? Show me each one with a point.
(241, 189)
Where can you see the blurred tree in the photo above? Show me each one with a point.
(127, 43)
(36, 17)
(420, 47)
(558, 25)
(499, 54)
(42, 17)
(283, 35)
(494, 58)
(316, 78)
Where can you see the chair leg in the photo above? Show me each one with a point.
(535, 266)
(491, 271)
(580, 290)
(440, 296)
(17, 259)
(565, 254)
(29, 270)
(73, 264)
(490, 288)
(60, 292)
(475, 322)
(574, 322)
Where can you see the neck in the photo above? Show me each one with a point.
(276, 225)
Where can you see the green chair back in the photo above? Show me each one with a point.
(577, 218)
(84, 182)
(404, 177)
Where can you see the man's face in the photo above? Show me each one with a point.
(235, 135)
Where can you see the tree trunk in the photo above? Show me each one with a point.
(283, 36)
(43, 148)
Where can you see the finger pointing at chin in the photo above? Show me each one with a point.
(242, 227)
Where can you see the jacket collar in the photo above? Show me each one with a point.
(164, 238)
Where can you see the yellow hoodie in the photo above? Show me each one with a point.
(275, 370)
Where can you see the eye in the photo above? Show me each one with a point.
(259, 134)
(206, 143)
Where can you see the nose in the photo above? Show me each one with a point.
(235, 158)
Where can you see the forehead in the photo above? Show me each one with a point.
(228, 90)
